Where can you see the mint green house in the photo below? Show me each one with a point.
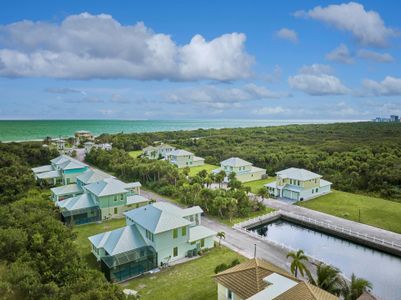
(298, 185)
(104, 199)
(244, 170)
(62, 170)
(155, 234)
(182, 158)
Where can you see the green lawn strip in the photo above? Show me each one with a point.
(195, 170)
(257, 184)
(191, 280)
(85, 231)
(241, 219)
(135, 153)
(374, 211)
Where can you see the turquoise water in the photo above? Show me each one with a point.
(19, 130)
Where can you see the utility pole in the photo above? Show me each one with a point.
(359, 216)
(254, 251)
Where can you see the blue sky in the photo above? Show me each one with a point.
(204, 59)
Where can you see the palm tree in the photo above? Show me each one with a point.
(328, 279)
(297, 264)
(355, 288)
(221, 235)
(262, 193)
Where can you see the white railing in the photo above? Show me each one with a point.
(254, 221)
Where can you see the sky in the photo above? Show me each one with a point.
(259, 60)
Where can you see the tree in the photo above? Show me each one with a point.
(263, 193)
(297, 264)
(221, 235)
(219, 177)
(328, 279)
(186, 171)
(355, 288)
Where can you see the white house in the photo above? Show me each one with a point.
(155, 234)
(182, 158)
(298, 184)
(244, 170)
(159, 151)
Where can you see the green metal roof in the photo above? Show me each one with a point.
(66, 189)
(156, 219)
(93, 175)
(119, 240)
(199, 232)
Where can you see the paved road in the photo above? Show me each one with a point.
(354, 226)
(238, 241)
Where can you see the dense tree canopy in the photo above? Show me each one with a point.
(38, 257)
(356, 157)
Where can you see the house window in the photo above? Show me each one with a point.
(149, 235)
(175, 233)
(175, 251)
(313, 191)
(184, 231)
(229, 294)
(191, 218)
(115, 198)
(317, 190)
(115, 210)
(122, 197)
(202, 242)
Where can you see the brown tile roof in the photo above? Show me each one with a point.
(246, 279)
(367, 296)
(305, 291)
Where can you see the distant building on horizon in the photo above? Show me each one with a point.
(392, 119)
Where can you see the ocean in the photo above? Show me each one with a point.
(26, 130)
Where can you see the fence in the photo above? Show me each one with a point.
(243, 226)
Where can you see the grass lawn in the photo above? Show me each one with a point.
(374, 211)
(195, 170)
(85, 231)
(241, 219)
(191, 280)
(135, 153)
(257, 184)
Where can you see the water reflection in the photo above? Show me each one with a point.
(383, 270)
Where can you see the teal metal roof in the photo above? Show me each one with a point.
(93, 175)
(298, 174)
(78, 202)
(107, 187)
(48, 175)
(136, 199)
(175, 210)
(42, 169)
(199, 232)
(235, 162)
(66, 189)
(156, 219)
(180, 152)
(66, 162)
(119, 240)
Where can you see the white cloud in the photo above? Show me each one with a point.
(389, 86)
(316, 80)
(340, 54)
(63, 91)
(217, 97)
(277, 110)
(375, 56)
(287, 34)
(89, 46)
(366, 26)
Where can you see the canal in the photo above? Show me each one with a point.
(381, 269)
